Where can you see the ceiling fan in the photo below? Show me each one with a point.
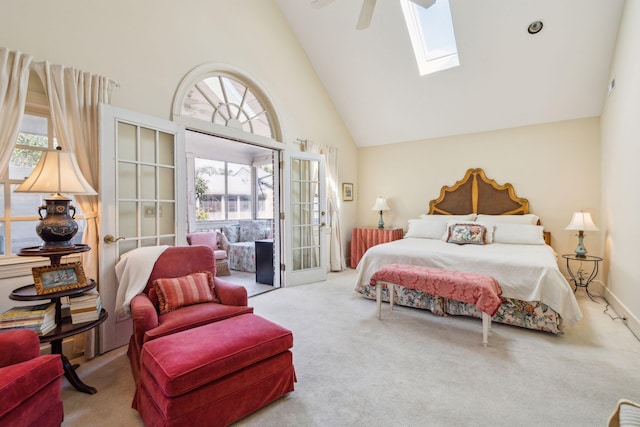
(366, 12)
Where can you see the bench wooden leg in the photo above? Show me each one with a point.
(486, 325)
(391, 288)
(379, 299)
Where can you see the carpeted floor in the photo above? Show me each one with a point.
(410, 368)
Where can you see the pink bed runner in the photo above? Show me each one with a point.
(479, 289)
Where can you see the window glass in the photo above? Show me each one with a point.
(226, 101)
(19, 212)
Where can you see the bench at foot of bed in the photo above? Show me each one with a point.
(479, 289)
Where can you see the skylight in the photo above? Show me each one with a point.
(432, 35)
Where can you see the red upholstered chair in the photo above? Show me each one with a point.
(30, 384)
(220, 245)
(177, 261)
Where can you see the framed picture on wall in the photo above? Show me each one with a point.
(347, 192)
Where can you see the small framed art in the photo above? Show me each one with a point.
(56, 278)
(347, 192)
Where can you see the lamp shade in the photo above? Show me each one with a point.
(380, 205)
(581, 221)
(56, 172)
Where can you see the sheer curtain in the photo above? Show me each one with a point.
(14, 80)
(336, 256)
(74, 97)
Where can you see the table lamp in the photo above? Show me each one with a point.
(380, 205)
(56, 172)
(580, 222)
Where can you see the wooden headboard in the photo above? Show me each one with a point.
(475, 193)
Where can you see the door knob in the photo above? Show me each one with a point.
(110, 239)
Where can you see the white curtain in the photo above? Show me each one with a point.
(14, 80)
(336, 256)
(74, 97)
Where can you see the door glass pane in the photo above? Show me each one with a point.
(147, 145)
(126, 180)
(127, 219)
(167, 217)
(147, 182)
(148, 222)
(126, 141)
(166, 150)
(166, 183)
(24, 235)
(125, 246)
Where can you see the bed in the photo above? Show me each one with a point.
(513, 249)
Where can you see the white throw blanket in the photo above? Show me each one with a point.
(132, 272)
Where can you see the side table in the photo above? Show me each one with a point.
(581, 278)
(362, 238)
(64, 327)
(264, 261)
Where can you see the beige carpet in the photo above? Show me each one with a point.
(411, 368)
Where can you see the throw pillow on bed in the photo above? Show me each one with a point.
(466, 233)
(174, 293)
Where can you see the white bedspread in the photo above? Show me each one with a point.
(525, 272)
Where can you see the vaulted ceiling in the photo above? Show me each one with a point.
(506, 78)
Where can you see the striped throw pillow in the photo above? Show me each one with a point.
(177, 292)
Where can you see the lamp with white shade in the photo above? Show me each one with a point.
(57, 172)
(581, 222)
(380, 205)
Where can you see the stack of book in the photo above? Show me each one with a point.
(85, 307)
(40, 318)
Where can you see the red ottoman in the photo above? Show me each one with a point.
(215, 374)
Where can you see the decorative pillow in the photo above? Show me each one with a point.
(252, 230)
(530, 219)
(488, 236)
(426, 229)
(466, 233)
(519, 234)
(232, 233)
(177, 292)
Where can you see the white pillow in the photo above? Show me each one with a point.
(426, 229)
(519, 234)
(488, 237)
(509, 219)
(445, 218)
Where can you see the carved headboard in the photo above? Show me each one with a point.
(475, 193)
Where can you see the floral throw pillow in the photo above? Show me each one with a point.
(174, 293)
(464, 234)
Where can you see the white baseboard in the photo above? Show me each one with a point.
(632, 322)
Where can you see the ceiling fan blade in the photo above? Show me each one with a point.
(365, 14)
(317, 4)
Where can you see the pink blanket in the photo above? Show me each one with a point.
(479, 289)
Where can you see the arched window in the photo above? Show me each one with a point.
(224, 100)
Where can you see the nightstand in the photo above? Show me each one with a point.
(581, 278)
(363, 238)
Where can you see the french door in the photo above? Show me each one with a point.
(142, 191)
(305, 218)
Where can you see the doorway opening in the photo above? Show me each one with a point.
(233, 192)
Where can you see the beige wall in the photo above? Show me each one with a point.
(148, 46)
(555, 166)
(620, 157)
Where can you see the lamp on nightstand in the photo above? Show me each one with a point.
(380, 205)
(580, 222)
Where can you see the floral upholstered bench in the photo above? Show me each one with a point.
(479, 289)
(241, 238)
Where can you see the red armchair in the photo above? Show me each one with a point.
(179, 261)
(30, 384)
